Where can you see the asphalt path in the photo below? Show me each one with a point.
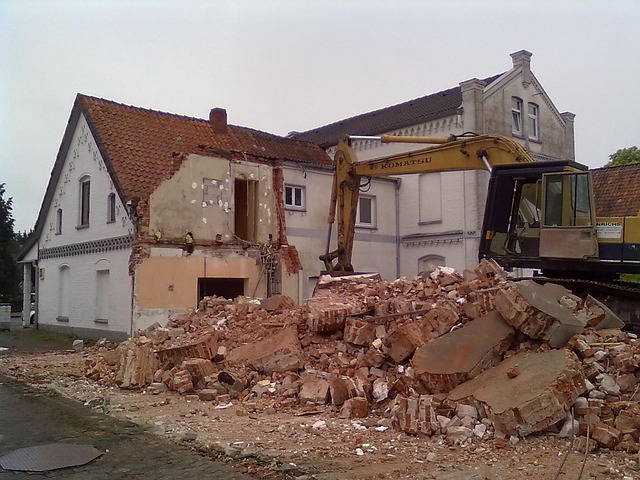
(31, 416)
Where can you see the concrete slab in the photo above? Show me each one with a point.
(280, 352)
(544, 312)
(462, 354)
(545, 387)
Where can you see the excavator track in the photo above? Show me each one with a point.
(623, 298)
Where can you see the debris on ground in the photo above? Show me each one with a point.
(463, 357)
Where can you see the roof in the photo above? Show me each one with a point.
(617, 190)
(143, 147)
(412, 112)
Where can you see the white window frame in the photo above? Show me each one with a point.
(373, 212)
(533, 127)
(293, 201)
(516, 115)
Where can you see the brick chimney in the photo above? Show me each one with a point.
(218, 120)
(522, 59)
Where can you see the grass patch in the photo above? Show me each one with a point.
(630, 277)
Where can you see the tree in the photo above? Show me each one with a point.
(9, 272)
(624, 156)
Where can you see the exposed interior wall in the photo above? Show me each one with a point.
(215, 198)
(167, 281)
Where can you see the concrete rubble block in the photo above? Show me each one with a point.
(279, 352)
(400, 343)
(202, 346)
(540, 311)
(373, 357)
(414, 415)
(359, 332)
(460, 355)
(199, 368)
(357, 407)
(136, 365)
(182, 382)
(327, 315)
(315, 390)
(278, 303)
(440, 319)
(600, 316)
(548, 385)
(344, 388)
(628, 420)
(207, 394)
(606, 436)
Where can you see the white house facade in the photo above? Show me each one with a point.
(440, 214)
(306, 204)
(147, 212)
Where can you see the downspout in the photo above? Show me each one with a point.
(397, 196)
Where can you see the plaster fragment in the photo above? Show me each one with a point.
(194, 185)
(204, 220)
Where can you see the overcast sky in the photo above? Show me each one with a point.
(279, 66)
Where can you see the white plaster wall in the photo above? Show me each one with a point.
(82, 293)
(83, 158)
(177, 205)
(374, 249)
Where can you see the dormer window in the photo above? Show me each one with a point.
(85, 199)
(516, 116)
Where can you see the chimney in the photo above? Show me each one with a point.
(523, 59)
(218, 120)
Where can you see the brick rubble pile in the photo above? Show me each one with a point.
(468, 358)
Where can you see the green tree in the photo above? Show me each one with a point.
(624, 156)
(9, 271)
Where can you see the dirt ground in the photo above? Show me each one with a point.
(303, 444)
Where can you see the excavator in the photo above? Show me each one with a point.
(538, 215)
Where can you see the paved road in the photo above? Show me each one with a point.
(29, 417)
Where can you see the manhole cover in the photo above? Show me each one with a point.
(49, 457)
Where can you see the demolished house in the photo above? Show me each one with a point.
(468, 358)
(148, 212)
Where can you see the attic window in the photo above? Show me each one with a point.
(111, 208)
(59, 221)
(84, 201)
(516, 116)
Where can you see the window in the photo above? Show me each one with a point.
(533, 121)
(102, 296)
(366, 215)
(85, 197)
(294, 197)
(516, 116)
(428, 262)
(567, 200)
(59, 221)
(64, 293)
(430, 194)
(111, 208)
(246, 209)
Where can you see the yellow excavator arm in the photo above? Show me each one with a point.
(467, 152)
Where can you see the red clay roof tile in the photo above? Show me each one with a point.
(617, 190)
(143, 146)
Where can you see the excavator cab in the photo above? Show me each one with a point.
(539, 215)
